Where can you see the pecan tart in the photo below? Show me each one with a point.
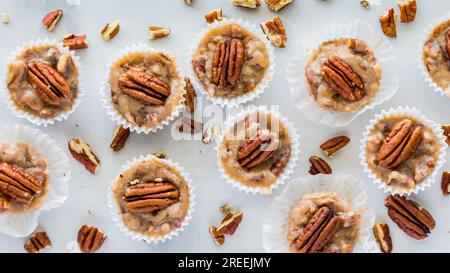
(153, 197)
(343, 75)
(43, 81)
(23, 178)
(146, 87)
(230, 61)
(436, 55)
(323, 222)
(255, 151)
(402, 151)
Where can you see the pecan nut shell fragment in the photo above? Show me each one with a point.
(258, 149)
(228, 59)
(144, 87)
(341, 77)
(17, 184)
(318, 165)
(334, 145)
(38, 242)
(90, 239)
(151, 197)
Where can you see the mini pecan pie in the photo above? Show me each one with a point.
(323, 222)
(255, 151)
(436, 55)
(23, 178)
(146, 87)
(343, 75)
(43, 81)
(230, 61)
(402, 151)
(153, 197)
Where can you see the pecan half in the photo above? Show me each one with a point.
(408, 10)
(445, 183)
(341, 77)
(258, 149)
(277, 5)
(215, 15)
(17, 184)
(110, 30)
(90, 239)
(190, 96)
(48, 83)
(37, 242)
(75, 42)
(119, 138)
(251, 4)
(228, 59)
(334, 145)
(144, 87)
(51, 19)
(281, 159)
(387, 23)
(81, 151)
(383, 237)
(410, 217)
(151, 197)
(319, 230)
(401, 142)
(157, 32)
(318, 165)
(446, 128)
(275, 31)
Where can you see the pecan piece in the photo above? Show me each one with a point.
(151, 197)
(383, 237)
(275, 31)
(74, 42)
(158, 32)
(281, 159)
(119, 138)
(341, 77)
(17, 184)
(408, 10)
(110, 30)
(4, 204)
(190, 96)
(51, 19)
(160, 155)
(188, 2)
(228, 59)
(37, 242)
(90, 239)
(5, 18)
(398, 146)
(218, 238)
(410, 217)
(251, 4)
(144, 87)
(387, 23)
(189, 125)
(258, 149)
(445, 183)
(215, 15)
(277, 5)
(48, 83)
(446, 128)
(230, 223)
(318, 165)
(81, 151)
(334, 145)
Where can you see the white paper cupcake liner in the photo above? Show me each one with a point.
(423, 70)
(416, 114)
(298, 83)
(249, 96)
(288, 169)
(117, 214)
(349, 188)
(5, 94)
(21, 225)
(105, 91)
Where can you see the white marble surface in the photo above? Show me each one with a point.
(87, 200)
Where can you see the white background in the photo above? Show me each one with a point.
(87, 200)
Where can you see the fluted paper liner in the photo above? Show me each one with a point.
(249, 96)
(23, 224)
(416, 114)
(5, 94)
(349, 188)
(298, 83)
(105, 92)
(288, 169)
(117, 214)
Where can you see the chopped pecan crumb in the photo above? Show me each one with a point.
(277, 5)
(161, 155)
(445, 183)
(365, 4)
(74, 42)
(387, 23)
(252, 4)
(446, 128)
(110, 30)
(90, 239)
(51, 19)
(275, 31)
(188, 2)
(5, 18)
(158, 32)
(383, 237)
(119, 138)
(81, 151)
(408, 9)
(215, 15)
(225, 208)
(37, 242)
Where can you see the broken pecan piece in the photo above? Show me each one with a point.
(410, 217)
(51, 19)
(251, 4)
(110, 30)
(281, 159)
(37, 242)
(387, 23)
(228, 59)
(275, 31)
(215, 15)
(144, 87)
(189, 125)
(383, 237)
(258, 149)
(334, 145)
(230, 223)
(48, 83)
(445, 183)
(277, 5)
(74, 42)
(119, 138)
(81, 151)
(17, 184)
(190, 96)
(398, 146)
(4, 204)
(218, 238)
(158, 32)
(318, 165)
(446, 128)
(90, 239)
(408, 10)
(341, 77)
(151, 197)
